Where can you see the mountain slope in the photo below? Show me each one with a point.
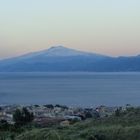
(64, 59)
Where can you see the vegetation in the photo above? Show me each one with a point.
(122, 125)
(22, 117)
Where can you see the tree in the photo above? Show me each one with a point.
(88, 114)
(27, 116)
(4, 125)
(22, 117)
(17, 117)
(118, 112)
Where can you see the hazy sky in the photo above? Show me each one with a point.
(103, 26)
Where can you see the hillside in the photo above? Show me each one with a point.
(124, 125)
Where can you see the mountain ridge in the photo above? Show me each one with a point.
(59, 58)
(53, 49)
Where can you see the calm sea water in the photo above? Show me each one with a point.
(80, 89)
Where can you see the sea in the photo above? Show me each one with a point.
(85, 89)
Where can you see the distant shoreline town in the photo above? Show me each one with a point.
(46, 115)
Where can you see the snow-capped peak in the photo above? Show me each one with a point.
(54, 51)
(63, 51)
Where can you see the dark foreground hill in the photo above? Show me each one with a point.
(61, 59)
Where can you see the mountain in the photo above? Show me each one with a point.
(59, 59)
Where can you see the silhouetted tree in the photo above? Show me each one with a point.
(22, 117)
(118, 112)
(88, 114)
(4, 125)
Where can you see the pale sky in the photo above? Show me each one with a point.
(109, 27)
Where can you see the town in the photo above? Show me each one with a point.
(46, 115)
